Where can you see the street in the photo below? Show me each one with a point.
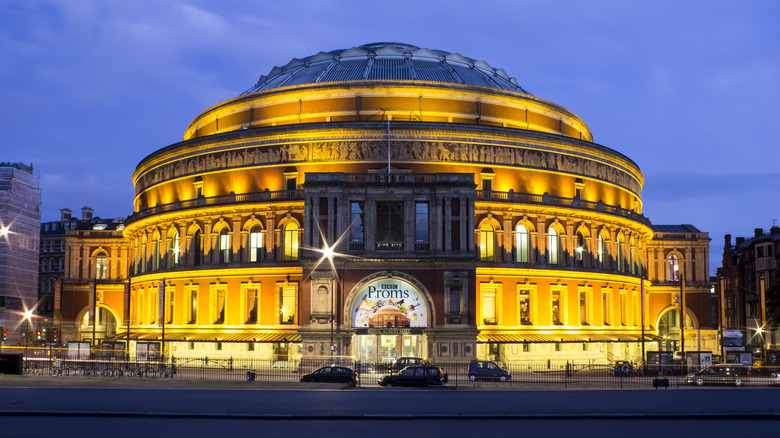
(28, 412)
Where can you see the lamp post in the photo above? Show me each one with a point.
(27, 317)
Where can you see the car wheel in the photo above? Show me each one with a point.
(700, 382)
(472, 377)
(388, 384)
(502, 378)
(737, 382)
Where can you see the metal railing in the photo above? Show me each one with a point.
(523, 375)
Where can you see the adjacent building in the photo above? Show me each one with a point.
(88, 284)
(389, 200)
(20, 217)
(749, 269)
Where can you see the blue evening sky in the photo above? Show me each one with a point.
(689, 90)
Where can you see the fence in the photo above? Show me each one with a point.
(62, 363)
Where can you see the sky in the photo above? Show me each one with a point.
(687, 89)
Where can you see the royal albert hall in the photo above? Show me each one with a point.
(388, 200)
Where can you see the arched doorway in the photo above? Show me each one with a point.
(669, 328)
(106, 324)
(389, 314)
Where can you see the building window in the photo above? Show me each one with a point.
(144, 258)
(553, 246)
(623, 309)
(291, 241)
(522, 244)
(156, 254)
(620, 255)
(672, 268)
(223, 246)
(454, 299)
(605, 307)
(168, 309)
(197, 248)
(556, 307)
(191, 315)
(602, 252)
(101, 271)
(389, 222)
(631, 261)
(288, 305)
(487, 239)
(524, 304)
(421, 231)
(255, 244)
(219, 306)
(580, 251)
(489, 307)
(173, 252)
(583, 308)
(251, 304)
(153, 306)
(356, 231)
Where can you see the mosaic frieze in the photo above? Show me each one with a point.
(416, 151)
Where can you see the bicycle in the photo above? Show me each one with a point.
(165, 372)
(59, 368)
(33, 369)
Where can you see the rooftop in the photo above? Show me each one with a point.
(387, 61)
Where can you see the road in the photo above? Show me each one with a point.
(116, 412)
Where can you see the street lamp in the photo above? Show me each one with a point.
(26, 317)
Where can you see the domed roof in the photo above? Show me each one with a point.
(387, 61)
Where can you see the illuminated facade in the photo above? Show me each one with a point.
(467, 217)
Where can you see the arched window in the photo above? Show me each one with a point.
(137, 257)
(580, 251)
(553, 246)
(522, 244)
(672, 268)
(631, 260)
(223, 244)
(291, 241)
(602, 253)
(144, 258)
(173, 251)
(255, 244)
(620, 255)
(196, 247)
(156, 254)
(487, 237)
(101, 266)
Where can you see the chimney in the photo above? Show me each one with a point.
(86, 213)
(65, 214)
(727, 238)
(758, 232)
(774, 230)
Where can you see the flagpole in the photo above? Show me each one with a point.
(388, 148)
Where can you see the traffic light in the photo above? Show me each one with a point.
(5, 334)
(55, 335)
(38, 333)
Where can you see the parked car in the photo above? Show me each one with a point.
(416, 375)
(403, 362)
(774, 379)
(487, 370)
(331, 374)
(725, 374)
(622, 368)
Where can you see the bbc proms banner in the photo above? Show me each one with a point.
(389, 303)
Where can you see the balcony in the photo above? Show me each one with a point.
(230, 199)
(545, 199)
